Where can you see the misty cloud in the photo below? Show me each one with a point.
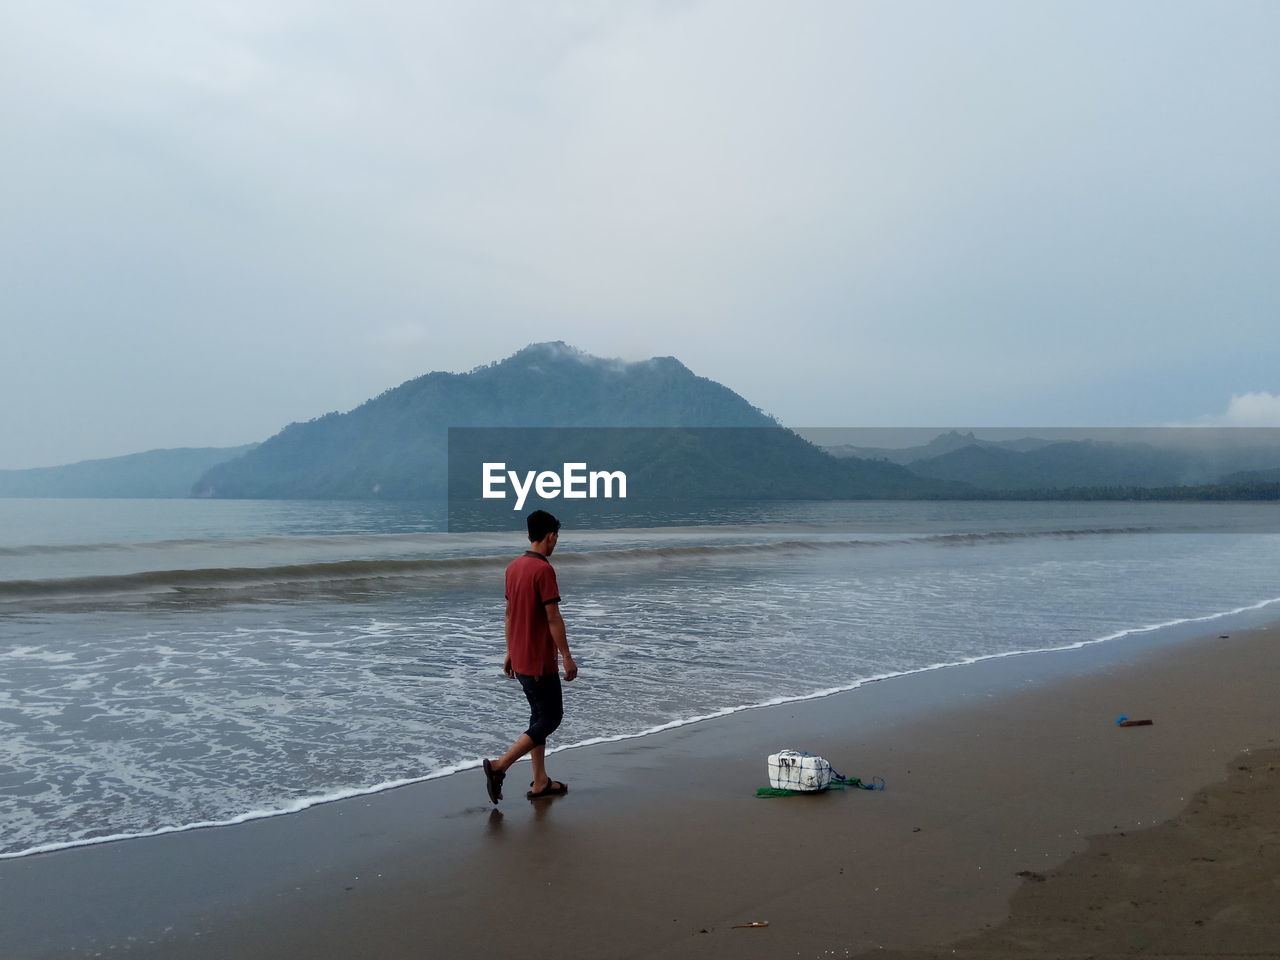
(220, 218)
(1260, 409)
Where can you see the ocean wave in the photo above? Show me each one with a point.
(291, 540)
(148, 581)
(204, 578)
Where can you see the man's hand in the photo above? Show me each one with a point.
(570, 669)
(507, 668)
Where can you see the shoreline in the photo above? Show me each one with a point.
(661, 836)
(462, 767)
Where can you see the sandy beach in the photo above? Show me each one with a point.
(1010, 788)
(1204, 884)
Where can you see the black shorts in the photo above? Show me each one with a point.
(546, 705)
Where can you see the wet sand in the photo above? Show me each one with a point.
(998, 775)
(1205, 884)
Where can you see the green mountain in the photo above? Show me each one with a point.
(396, 446)
(155, 473)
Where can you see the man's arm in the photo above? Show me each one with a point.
(556, 624)
(506, 632)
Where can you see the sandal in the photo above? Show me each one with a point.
(554, 788)
(493, 781)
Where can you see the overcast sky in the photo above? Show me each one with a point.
(216, 218)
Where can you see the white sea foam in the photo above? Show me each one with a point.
(36, 653)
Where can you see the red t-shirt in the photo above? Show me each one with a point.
(531, 585)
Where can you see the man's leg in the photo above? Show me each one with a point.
(524, 743)
(546, 710)
(496, 770)
(538, 757)
(517, 750)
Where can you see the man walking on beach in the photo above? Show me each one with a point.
(535, 635)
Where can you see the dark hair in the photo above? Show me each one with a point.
(541, 523)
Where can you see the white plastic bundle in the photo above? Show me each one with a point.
(796, 770)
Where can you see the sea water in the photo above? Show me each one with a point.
(172, 664)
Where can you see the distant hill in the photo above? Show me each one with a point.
(1091, 463)
(1253, 490)
(155, 473)
(941, 444)
(395, 445)
(1253, 476)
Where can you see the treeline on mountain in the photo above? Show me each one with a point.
(941, 444)
(681, 463)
